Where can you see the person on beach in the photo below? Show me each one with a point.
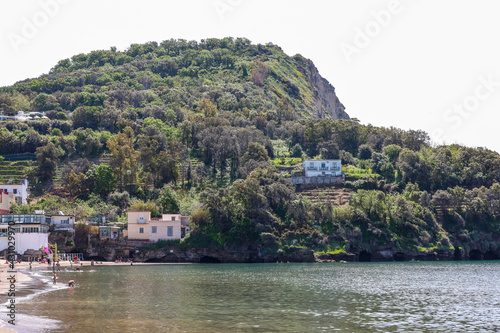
(71, 283)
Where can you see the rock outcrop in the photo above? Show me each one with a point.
(326, 101)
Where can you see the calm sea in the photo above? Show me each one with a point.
(352, 297)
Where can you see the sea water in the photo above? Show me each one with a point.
(333, 297)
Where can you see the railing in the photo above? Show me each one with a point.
(69, 256)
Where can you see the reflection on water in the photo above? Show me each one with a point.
(378, 297)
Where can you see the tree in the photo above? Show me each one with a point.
(145, 206)
(7, 106)
(104, 180)
(329, 150)
(168, 201)
(296, 151)
(123, 157)
(259, 73)
(365, 152)
(81, 235)
(392, 152)
(442, 199)
(47, 157)
(77, 184)
(121, 200)
(256, 152)
(207, 108)
(219, 144)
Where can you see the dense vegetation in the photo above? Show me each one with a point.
(201, 127)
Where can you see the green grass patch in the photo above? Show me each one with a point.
(286, 161)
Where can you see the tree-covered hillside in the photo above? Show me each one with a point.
(212, 129)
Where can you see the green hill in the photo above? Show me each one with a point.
(212, 129)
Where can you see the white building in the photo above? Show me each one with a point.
(25, 116)
(31, 232)
(20, 191)
(63, 222)
(322, 168)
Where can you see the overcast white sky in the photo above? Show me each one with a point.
(422, 64)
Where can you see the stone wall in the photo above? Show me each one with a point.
(316, 180)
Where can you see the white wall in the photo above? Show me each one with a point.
(22, 190)
(26, 241)
(56, 220)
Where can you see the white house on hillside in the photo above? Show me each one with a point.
(6, 200)
(322, 168)
(20, 191)
(63, 222)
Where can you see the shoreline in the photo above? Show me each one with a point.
(23, 278)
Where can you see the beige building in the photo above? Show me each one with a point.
(169, 227)
(6, 200)
(20, 191)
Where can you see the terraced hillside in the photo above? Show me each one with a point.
(336, 195)
(13, 172)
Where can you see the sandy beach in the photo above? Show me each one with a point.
(20, 279)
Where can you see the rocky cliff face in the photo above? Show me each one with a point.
(326, 102)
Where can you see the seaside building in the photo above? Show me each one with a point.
(63, 222)
(31, 231)
(169, 227)
(20, 191)
(109, 232)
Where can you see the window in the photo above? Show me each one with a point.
(173, 218)
(141, 230)
(14, 191)
(153, 230)
(170, 231)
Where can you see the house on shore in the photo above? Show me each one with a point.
(63, 222)
(107, 232)
(31, 231)
(141, 226)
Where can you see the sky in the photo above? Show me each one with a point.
(420, 64)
